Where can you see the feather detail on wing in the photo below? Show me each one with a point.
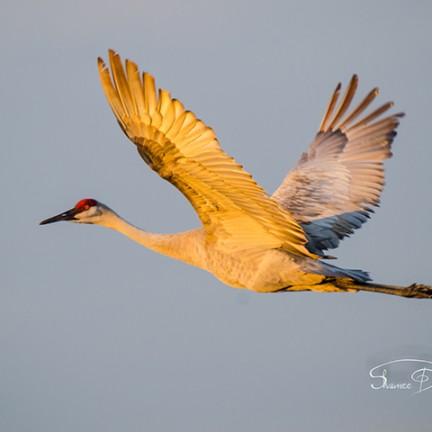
(235, 212)
(333, 187)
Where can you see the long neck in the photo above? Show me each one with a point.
(186, 246)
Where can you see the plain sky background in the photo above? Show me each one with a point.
(99, 334)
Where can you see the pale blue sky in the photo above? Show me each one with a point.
(99, 334)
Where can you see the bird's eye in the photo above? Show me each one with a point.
(86, 207)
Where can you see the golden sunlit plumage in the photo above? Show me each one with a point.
(249, 239)
(233, 209)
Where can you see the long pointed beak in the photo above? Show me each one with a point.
(65, 216)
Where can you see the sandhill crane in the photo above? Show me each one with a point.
(249, 239)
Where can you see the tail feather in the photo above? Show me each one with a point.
(331, 271)
(412, 291)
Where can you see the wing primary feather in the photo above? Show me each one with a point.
(110, 91)
(373, 115)
(166, 108)
(121, 83)
(359, 109)
(377, 129)
(330, 107)
(345, 102)
(134, 80)
(150, 93)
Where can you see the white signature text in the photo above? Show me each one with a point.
(416, 375)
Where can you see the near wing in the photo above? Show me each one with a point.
(235, 212)
(333, 187)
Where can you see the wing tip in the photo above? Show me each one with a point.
(354, 79)
(112, 53)
(101, 65)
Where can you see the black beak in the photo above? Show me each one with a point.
(66, 216)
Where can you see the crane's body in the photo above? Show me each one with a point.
(249, 239)
(265, 271)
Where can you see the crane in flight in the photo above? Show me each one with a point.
(249, 239)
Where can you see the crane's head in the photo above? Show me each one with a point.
(87, 211)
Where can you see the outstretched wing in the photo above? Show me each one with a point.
(333, 187)
(235, 212)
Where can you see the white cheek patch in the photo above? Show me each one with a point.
(87, 216)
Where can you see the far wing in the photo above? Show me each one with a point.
(235, 212)
(333, 187)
